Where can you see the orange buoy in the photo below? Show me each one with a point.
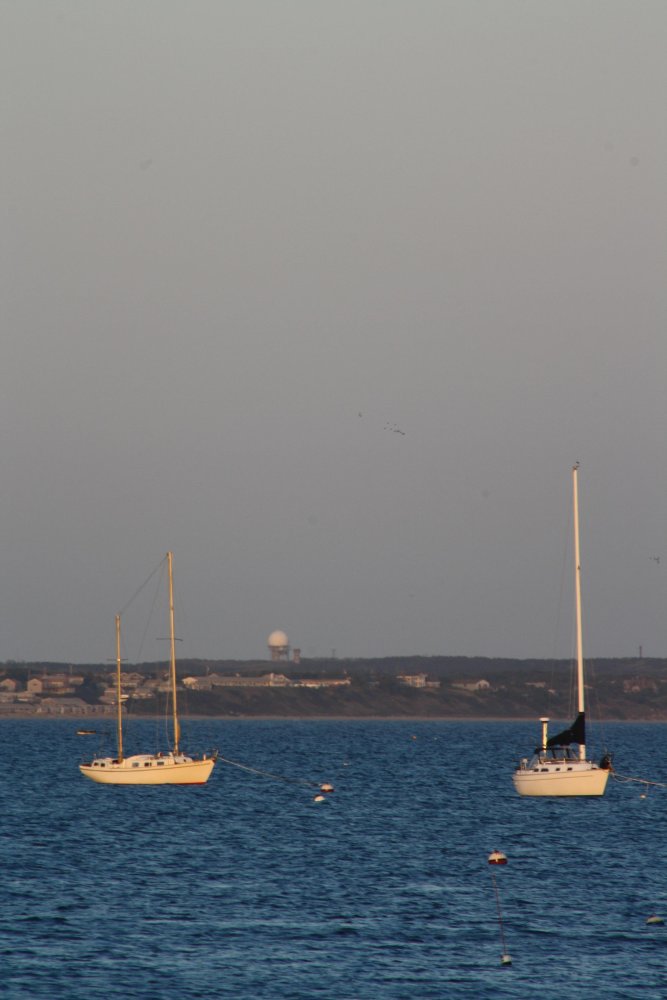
(497, 858)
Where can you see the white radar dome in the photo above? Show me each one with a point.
(278, 638)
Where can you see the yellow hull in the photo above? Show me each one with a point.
(149, 769)
(580, 780)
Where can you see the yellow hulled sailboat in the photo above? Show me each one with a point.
(172, 767)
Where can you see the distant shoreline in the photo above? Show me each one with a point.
(90, 719)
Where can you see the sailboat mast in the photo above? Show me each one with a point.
(172, 658)
(577, 590)
(119, 703)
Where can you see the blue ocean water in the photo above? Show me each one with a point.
(248, 888)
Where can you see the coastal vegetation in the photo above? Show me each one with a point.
(432, 687)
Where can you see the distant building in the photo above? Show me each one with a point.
(63, 706)
(322, 682)
(54, 684)
(235, 680)
(473, 685)
(278, 644)
(413, 680)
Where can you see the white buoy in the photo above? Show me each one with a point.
(505, 959)
(655, 919)
(497, 858)
(326, 788)
(319, 798)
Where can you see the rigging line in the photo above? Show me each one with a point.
(268, 774)
(141, 587)
(156, 592)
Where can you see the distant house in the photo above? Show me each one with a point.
(481, 685)
(54, 684)
(131, 680)
(200, 683)
(243, 680)
(418, 681)
(275, 680)
(413, 680)
(63, 706)
(637, 685)
(9, 684)
(109, 696)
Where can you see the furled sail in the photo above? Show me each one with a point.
(575, 734)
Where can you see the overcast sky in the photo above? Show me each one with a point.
(327, 298)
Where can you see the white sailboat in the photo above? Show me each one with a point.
(170, 768)
(557, 768)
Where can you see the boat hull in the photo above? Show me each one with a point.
(582, 780)
(145, 769)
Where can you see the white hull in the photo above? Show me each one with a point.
(581, 778)
(148, 769)
(556, 769)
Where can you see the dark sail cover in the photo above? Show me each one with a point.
(575, 734)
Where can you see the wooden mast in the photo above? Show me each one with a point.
(119, 702)
(172, 640)
(577, 588)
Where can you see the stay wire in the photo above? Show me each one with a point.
(141, 587)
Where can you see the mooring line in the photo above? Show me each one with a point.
(268, 774)
(625, 779)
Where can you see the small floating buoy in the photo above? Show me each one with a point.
(498, 858)
(655, 920)
(319, 798)
(326, 788)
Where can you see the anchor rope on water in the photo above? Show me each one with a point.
(625, 779)
(268, 774)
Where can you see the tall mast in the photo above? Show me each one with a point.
(172, 639)
(577, 589)
(119, 703)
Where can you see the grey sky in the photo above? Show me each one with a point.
(245, 242)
